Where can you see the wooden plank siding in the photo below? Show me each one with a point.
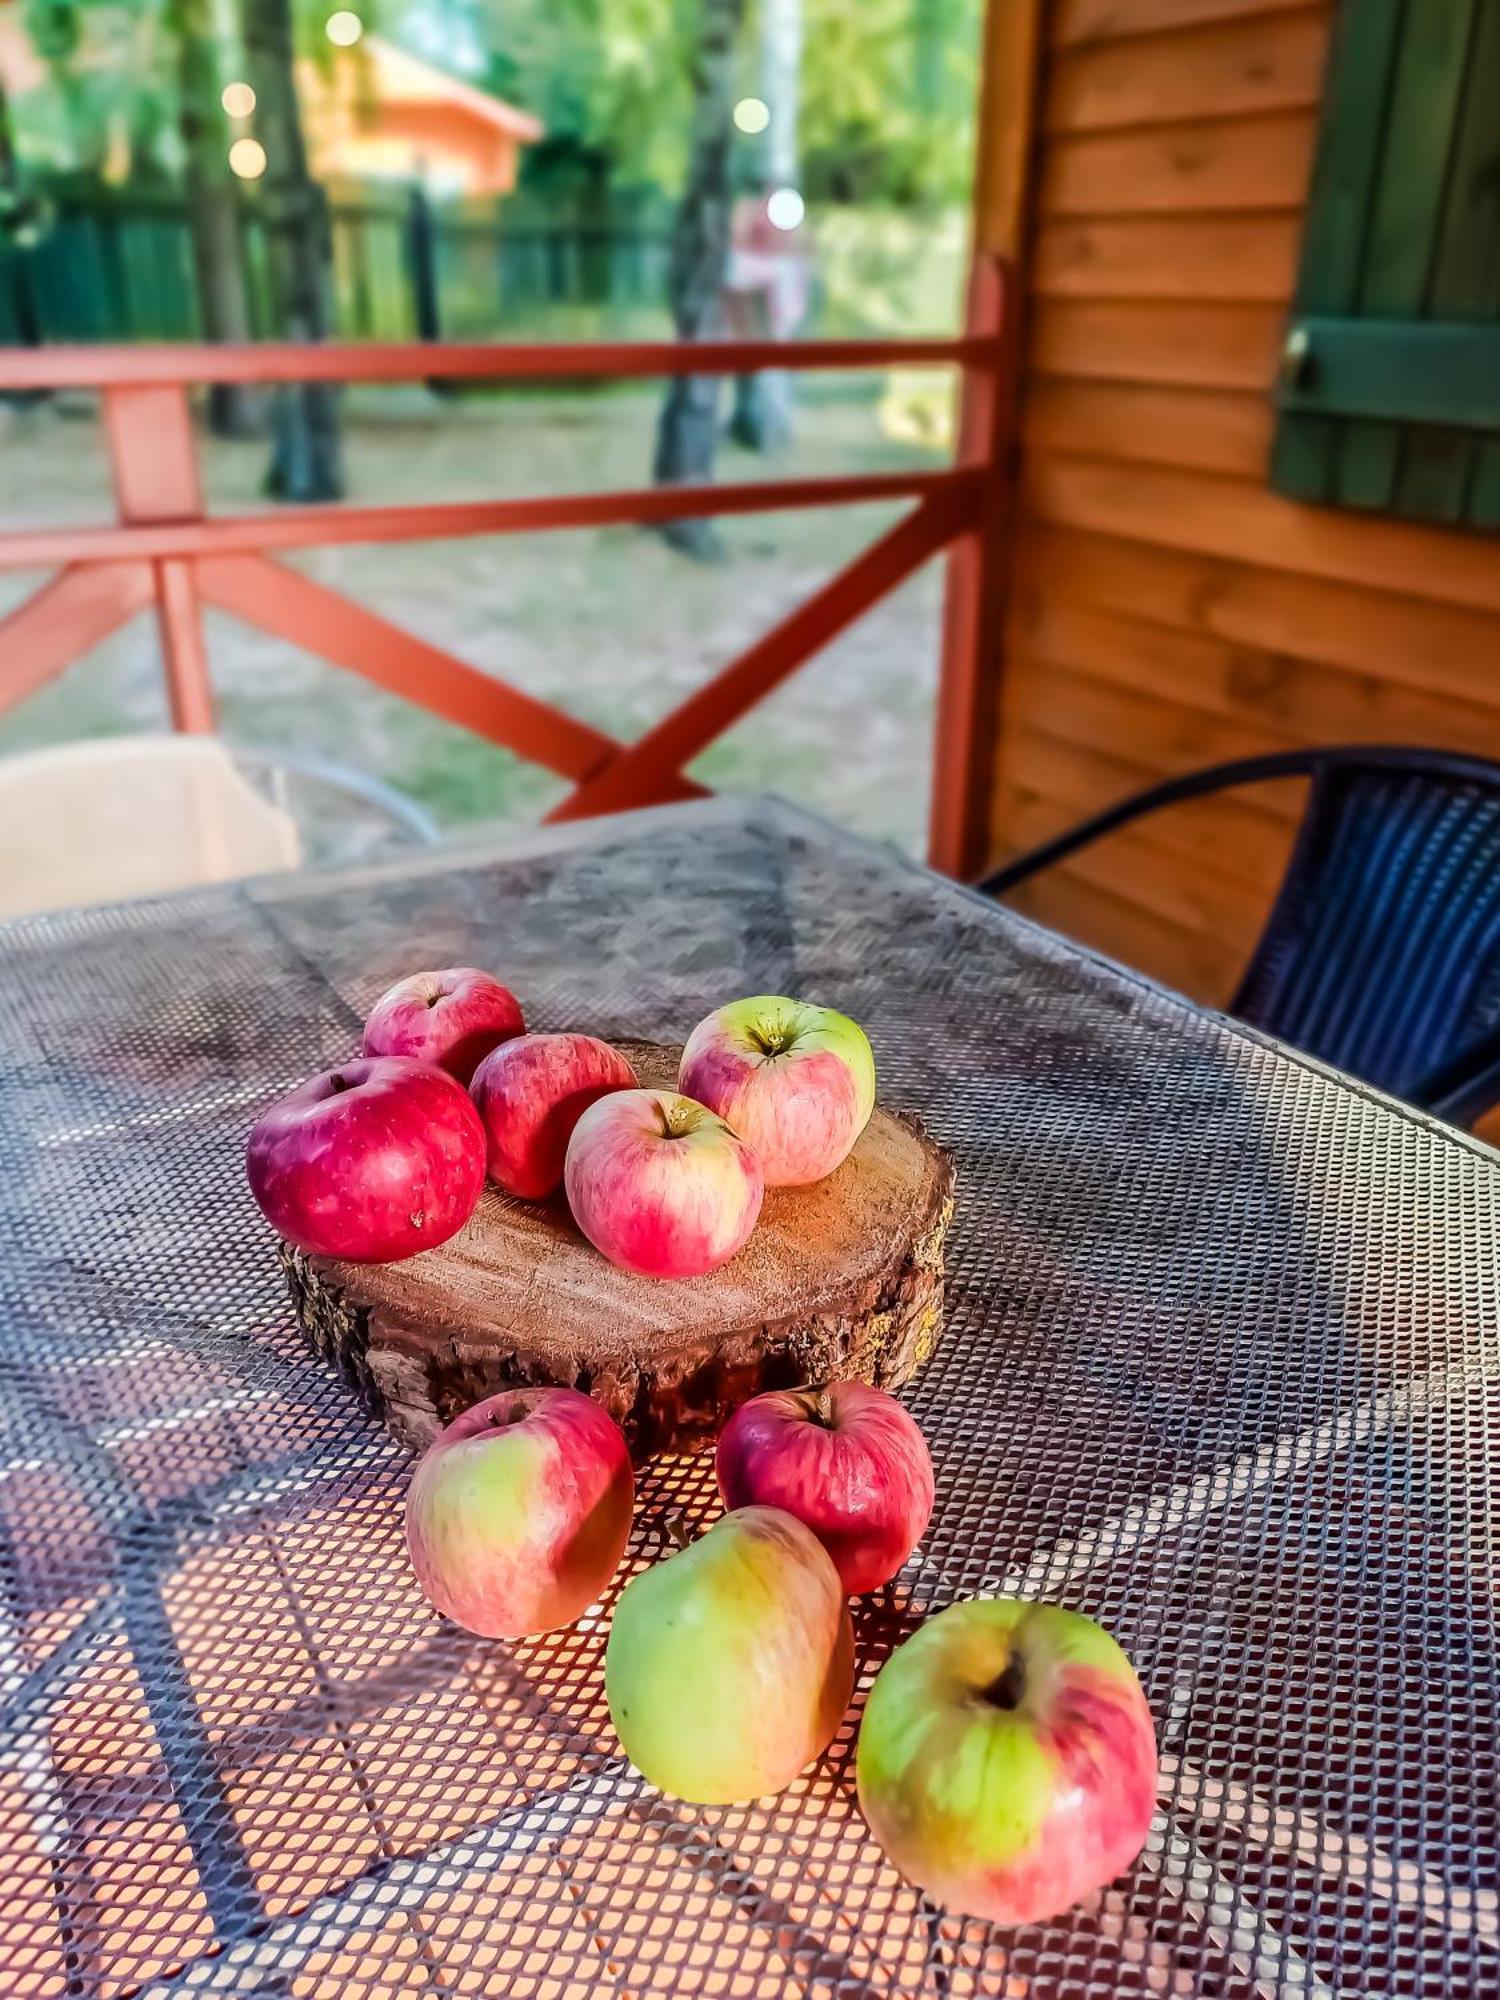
(1247, 166)
(1166, 609)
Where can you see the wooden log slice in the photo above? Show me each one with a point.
(842, 1279)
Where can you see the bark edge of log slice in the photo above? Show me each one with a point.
(842, 1280)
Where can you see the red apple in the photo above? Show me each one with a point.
(518, 1513)
(1007, 1759)
(452, 1018)
(730, 1665)
(370, 1162)
(847, 1460)
(660, 1185)
(531, 1092)
(797, 1082)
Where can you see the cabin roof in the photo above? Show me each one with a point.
(400, 78)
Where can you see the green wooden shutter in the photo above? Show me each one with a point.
(1390, 391)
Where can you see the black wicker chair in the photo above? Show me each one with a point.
(1381, 954)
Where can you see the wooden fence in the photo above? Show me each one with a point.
(116, 265)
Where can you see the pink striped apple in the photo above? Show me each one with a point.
(518, 1513)
(661, 1186)
(847, 1460)
(452, 1018)
(797, 1082)
(531, 1092)
(1007, 1759)
(730, 1665)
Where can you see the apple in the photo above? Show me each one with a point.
(531, 1092)
(452, 1018)
(847, 1460)
(661, 1186)
(1007, 1759)
(730, 1664)
(370, 1162)
(518, 1512)
(796, 1082)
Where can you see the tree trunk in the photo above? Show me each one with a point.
(305, 455)
(9, 176)
(929, 31)
(422, 264)
(781, 71)
(213, 215)
(689, 430)
(762, 417)
(16, 222)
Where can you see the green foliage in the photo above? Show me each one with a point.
(887, 86)
(608, 78)
(888, 92)
(54, 28)
(113, 102)
(885, 270)
(109, 98)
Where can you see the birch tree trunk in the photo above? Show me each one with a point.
(929, 27)
(305, 455)
(688, 434)
(762, 417)
(781, 86)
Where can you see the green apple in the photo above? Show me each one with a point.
(1007, 1759)
(730, 1664)
(797, 1082)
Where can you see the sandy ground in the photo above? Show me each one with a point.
(610, 624)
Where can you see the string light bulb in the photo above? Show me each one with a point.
(247, 159)
(785, 208)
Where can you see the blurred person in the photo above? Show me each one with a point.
(766, 295)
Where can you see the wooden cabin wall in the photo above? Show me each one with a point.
(1166, 610)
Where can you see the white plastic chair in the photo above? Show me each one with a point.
(126, 816)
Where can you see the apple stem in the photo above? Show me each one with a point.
(824, 1404)
(1006, 1689)
(676, 1529)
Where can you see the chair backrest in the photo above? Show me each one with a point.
(131, 816)
(1382, 954)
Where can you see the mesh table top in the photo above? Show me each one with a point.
(1220, 1369)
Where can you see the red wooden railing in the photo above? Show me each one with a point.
(165, 551)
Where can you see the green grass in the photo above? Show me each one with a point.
(610, 624)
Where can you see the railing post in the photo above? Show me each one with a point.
(1014, 39)
(155, 469)
(422, 264)
(974, 599)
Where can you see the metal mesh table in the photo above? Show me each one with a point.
(1220, 1369)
